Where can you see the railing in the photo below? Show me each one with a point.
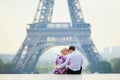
(58, 25)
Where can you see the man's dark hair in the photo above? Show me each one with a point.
(72, 48)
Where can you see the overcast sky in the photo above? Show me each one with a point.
(103, 15)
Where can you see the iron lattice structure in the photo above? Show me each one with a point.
(43, 34)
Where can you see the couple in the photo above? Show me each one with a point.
(70, 62)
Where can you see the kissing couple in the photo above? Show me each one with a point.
(69, 62)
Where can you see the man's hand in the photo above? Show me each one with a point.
(58, 67)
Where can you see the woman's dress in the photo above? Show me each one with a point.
(59, 60)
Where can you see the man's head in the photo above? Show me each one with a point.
(71, 49)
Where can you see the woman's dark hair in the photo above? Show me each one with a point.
(72, 48)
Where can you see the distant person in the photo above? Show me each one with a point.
(76, 61)
(59, 60)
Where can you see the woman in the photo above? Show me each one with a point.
(59, 60)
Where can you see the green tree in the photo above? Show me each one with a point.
(101, 67)
(115, 65)
(1, 66)
(7, 68)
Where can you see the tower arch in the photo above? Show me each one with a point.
(43, 34)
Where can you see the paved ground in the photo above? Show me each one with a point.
(59, 77)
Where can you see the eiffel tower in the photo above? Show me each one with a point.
(44, 34)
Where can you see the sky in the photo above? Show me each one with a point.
(103, 15)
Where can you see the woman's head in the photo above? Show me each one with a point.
(64, 51)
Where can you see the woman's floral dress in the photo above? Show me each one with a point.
(60, 59)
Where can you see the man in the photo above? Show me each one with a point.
(75, 61)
